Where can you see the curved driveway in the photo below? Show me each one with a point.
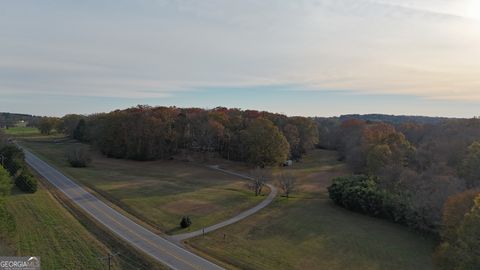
(249, 212)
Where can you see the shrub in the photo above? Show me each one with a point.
(13, 158)
(358, 193)
(26, 182)
(186, 222)
(78, 156)
(362, 194)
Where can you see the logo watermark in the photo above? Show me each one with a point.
(19, 263)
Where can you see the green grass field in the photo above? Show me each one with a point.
(22, 131)
(44, 228)
(159, 192)
(310, 232)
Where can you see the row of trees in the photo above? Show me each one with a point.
(148, 133)
(13, 160)
(413, 172)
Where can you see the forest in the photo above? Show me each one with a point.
(149, 133)
(425, 176)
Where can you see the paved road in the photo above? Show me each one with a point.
(249, 212)
(157, 247)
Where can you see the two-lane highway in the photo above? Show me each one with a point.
(157, 247)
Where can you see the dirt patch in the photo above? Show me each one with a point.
(318, 181)
(189, 206)
(134, 184)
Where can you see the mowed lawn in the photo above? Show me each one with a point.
(45, 228)
(310, 232)
(160, 192)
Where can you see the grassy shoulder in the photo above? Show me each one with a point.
(45, 228)
(159, 192)
(309, 232)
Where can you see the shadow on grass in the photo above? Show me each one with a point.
(15, 191)
(177, 230)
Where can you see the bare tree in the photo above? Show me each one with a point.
(258, 178)
(287, 183)
(78, 156)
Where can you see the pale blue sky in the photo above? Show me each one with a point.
(303, 57)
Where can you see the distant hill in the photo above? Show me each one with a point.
(12, 119)
(394, 119)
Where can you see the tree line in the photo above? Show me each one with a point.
(414, 174)
(12, 159)
(8, 120)
(13, 170)
(149, 133)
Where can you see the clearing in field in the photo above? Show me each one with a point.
(309, 232)
(158, 192)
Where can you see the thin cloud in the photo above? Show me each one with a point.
(155, 49)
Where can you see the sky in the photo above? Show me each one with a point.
(297, 57)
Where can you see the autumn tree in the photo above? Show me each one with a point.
(264, 143)
(293, 137)
(47, 124)
(384, 146)
(454, 211)
(140, 133)
(470, 166)
(463, 250)
(308, 135)
(69, 123)
(378, 157)
(148, 133)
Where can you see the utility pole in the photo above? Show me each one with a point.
(109, 258)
